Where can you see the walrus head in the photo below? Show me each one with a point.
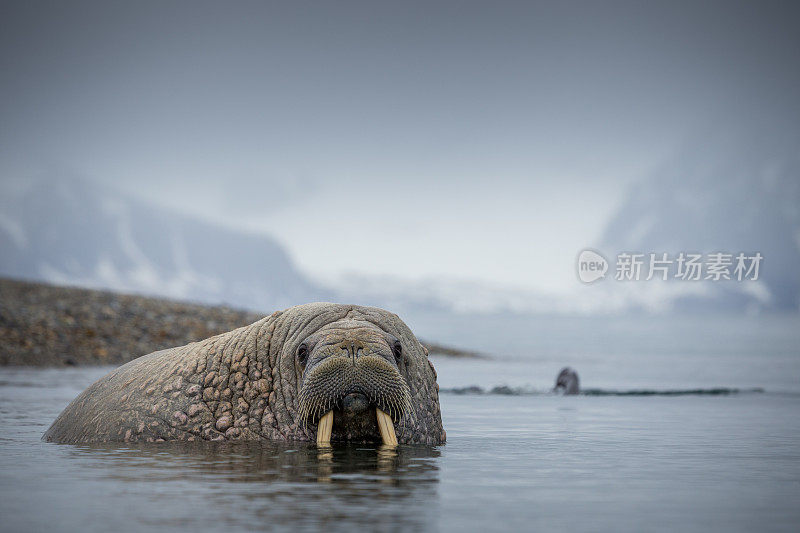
(359, 375)
(350, 372)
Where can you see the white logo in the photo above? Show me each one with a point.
(591, 266)
(686, 266)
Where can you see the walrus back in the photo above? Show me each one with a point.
(113, 406)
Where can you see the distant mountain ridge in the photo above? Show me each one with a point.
(736, 192)
(721, 197)
(73, 231)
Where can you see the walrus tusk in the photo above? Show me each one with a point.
(325, 429)
(386, 427)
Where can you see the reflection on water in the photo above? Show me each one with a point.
(281, 483)
(263, 462)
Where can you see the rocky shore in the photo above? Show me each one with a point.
(48, 325)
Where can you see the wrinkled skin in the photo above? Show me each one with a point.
(567, 382)
(269, 380)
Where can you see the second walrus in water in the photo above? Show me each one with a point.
(567, 381)
(324, 372)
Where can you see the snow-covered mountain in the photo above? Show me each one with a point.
(73, 231)
(734, 189)
(733, 192)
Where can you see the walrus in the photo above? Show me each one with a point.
(316, 372)
(567, 382)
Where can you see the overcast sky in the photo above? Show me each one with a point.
(487, 140)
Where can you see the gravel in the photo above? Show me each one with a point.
(48, 325)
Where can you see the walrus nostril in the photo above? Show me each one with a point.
(355, 402)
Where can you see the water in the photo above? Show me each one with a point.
(623, 463)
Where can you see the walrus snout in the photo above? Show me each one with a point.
(337, 383)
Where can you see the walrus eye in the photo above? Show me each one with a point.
(397, 349)
(302, 353)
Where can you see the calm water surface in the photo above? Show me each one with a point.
(511, 462)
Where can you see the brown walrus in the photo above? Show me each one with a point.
(321, 371)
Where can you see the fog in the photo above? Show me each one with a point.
(463, 141)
